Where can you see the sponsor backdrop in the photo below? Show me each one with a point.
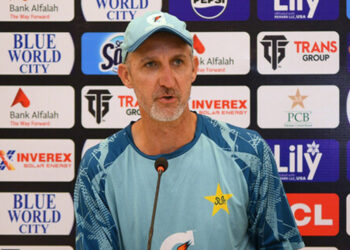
(281, 67)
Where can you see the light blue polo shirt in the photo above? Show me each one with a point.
(220, 191)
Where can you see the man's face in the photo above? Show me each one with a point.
(161, 72)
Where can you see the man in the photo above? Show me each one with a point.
(221, 190)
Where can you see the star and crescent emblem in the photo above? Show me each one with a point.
(298, 99)
(219, 200)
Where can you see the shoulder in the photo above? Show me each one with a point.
(233, 138)
(98, 158)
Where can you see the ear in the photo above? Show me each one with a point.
(124, 75)
(195, 63)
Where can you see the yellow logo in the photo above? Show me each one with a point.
(219, 200)
(298, 99)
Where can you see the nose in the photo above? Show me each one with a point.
(167, 77)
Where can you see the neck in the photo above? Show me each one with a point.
(154, 137)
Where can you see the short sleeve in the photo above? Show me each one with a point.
(95, 227)
(271, 221)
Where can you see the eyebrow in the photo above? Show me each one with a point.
(150, 58)
(147, 58)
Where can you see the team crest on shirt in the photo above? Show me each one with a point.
(219, 200)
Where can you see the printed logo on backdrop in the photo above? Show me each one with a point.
(294, 52)
(36, 53)
(36, 248)
(36, 160)
(210, 10)
(298, 106)
(98, 103)
(315, 214)
(213, 60)
(6, 159)
(298, 10)
(298, 117)
(108, 106)
(36, 10)
(36, 214)
(228, 104)
(274, 49)
(306, 160)
(37, 107)
(116, 10)
(21, 98)
(101, 53)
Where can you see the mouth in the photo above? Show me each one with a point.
(167, 99)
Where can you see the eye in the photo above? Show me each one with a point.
(178, 62)
(150, 64)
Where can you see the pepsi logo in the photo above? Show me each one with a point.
(209, 9)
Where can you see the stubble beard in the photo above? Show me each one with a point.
(162, 113)
(165, 115)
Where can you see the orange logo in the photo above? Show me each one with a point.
(5, 162)
(157, 18)
(21, 98)
(184, 246)
(175, 239)
(315, 214)
(198, 45)
(298, 99)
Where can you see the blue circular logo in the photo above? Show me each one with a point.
(209, 9)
